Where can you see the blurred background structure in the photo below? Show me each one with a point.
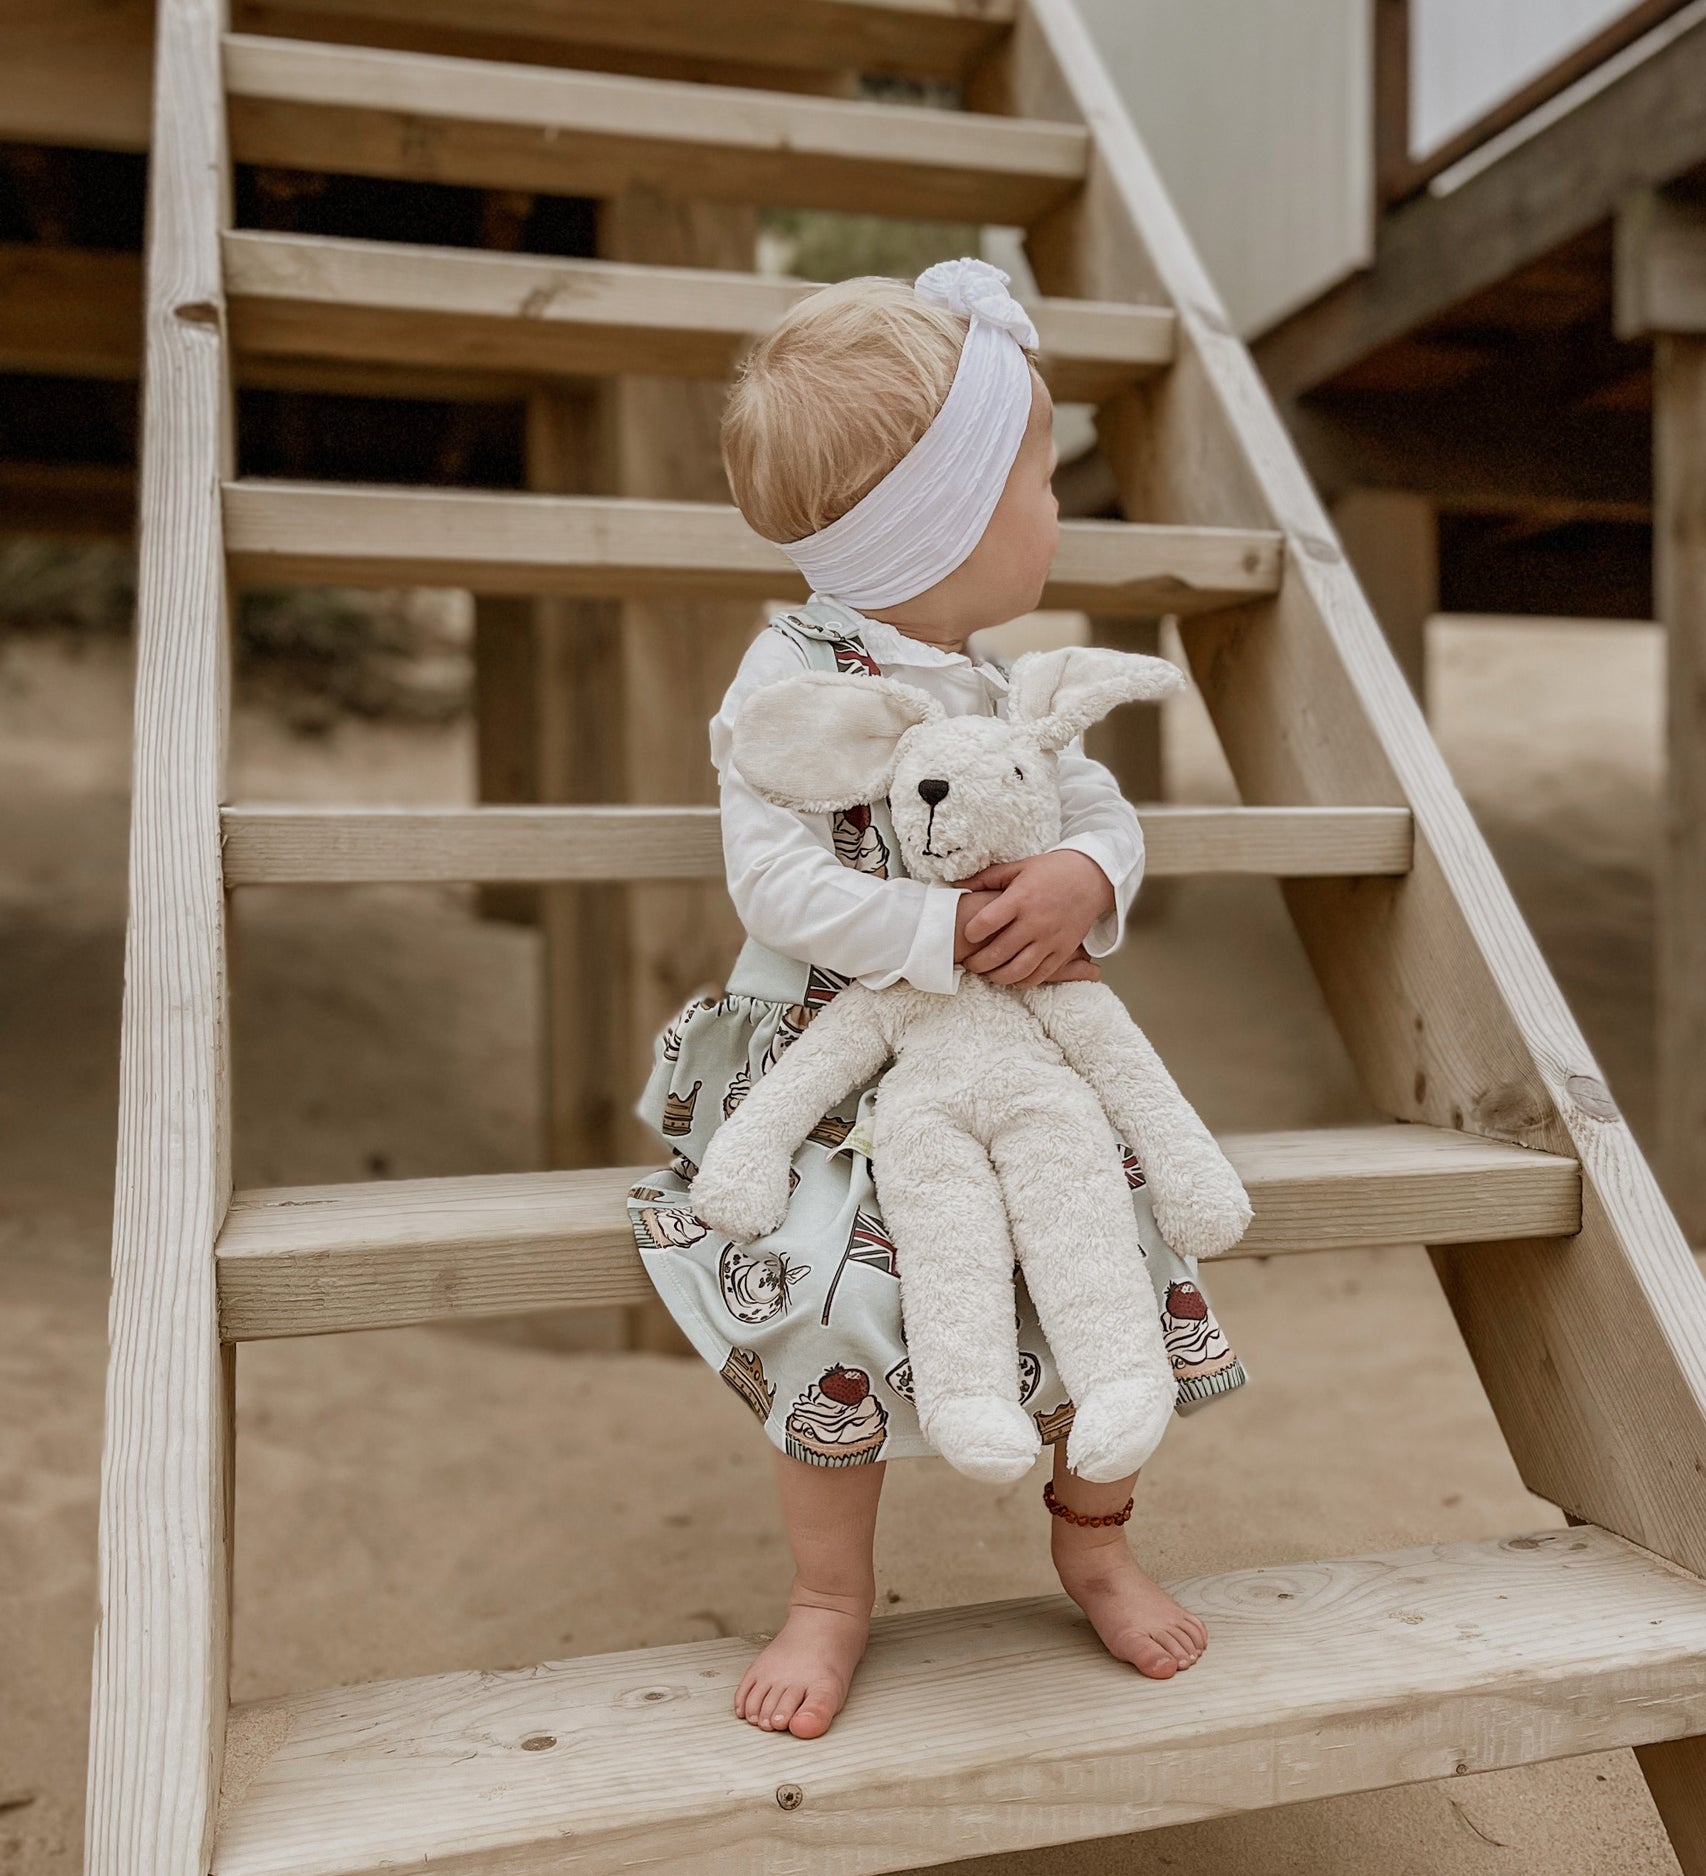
(1461, 237)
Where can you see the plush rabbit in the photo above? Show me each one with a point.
(992, 1129)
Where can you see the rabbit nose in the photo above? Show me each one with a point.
(932, 790)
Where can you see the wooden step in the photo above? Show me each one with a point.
(317, 533)
(907, 38)
(306, 846)
(997, 1727)
(312, 1260)
(384, 303)
(362, 112)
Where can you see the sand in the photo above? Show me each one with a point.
(440, 1498)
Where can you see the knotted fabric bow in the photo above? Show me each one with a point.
(927, 514)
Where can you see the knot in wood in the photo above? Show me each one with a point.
(1592, 1097)
(1509, 1110)
(538, 1742)
(197, 313)
(790, 1797)
(1318, 547)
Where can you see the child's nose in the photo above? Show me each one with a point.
(932, 790)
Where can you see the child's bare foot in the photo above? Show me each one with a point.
(1134, 1616)
(799, 1682)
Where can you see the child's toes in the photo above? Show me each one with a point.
(782, 1706)
(815, 1712)
(1150, 1657)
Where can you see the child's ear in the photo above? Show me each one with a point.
(1057, 695)
(826, 740)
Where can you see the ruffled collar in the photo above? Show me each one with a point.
(888, 644)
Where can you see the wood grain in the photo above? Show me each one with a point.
(303, 533)
(312, 1260)
(985, 1729)
(160, 1686)
(910, 38)
(371, 113)
(387, 303)
(336, 846)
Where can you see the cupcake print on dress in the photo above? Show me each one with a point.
(678, 1110)
(740, 1086)
(756, 1286)
(669, 1226)
(744, 1372)
(838, 1421)
(1203, 1361)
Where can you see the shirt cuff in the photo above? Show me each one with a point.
(930, 962)
(1107, 932)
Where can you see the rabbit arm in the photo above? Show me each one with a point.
(742, 1184)
(1200, 1204)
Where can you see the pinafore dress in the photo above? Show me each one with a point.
(805, 1324)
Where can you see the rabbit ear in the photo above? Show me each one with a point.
(1057, 695)
(826, 740)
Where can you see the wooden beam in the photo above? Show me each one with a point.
(371, 113)
(910, 38)
(300, 296)
(162, 1644)
(1660, 272)
(1448, 1658)
(1581, 61)
(70, 312)
(77, 72)
(1642, 129)
(75, 499)
(302, 533)
(1329, 1677)
(1391, 537)
(314, 1260)
(332, 846)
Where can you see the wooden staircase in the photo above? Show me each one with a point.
(1504, 1152)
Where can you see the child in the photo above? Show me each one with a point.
(897, 441)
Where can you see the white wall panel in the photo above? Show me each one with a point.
(1468, 55)
(1258, 115)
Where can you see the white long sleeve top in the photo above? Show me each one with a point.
(795, 896)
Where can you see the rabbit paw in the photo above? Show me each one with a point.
(1207, 1217)
(743, 1194)
(984, 1436)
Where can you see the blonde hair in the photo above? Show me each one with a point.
(831, 399)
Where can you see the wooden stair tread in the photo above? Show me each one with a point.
(390, 304)
(294, 845)
(996, 1727)
(358, 111)
(311, 533)
(309, 1260)
(909, 38)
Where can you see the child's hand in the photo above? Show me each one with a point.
(1026, 922)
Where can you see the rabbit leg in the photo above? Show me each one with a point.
(1072, 1220)
(943, 1207)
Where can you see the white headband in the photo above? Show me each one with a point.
(928, 513)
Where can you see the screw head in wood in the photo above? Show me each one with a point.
(790, 1797)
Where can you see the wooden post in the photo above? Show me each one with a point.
(625, 694)
(506, 728)
(161, 1671)
(1391, 537)
(1661, 293)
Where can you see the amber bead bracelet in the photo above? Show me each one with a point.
(1058, 1510)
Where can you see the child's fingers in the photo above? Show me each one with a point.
(1001, 949)
(1032, 959)
(989, 919)
(994, 878)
